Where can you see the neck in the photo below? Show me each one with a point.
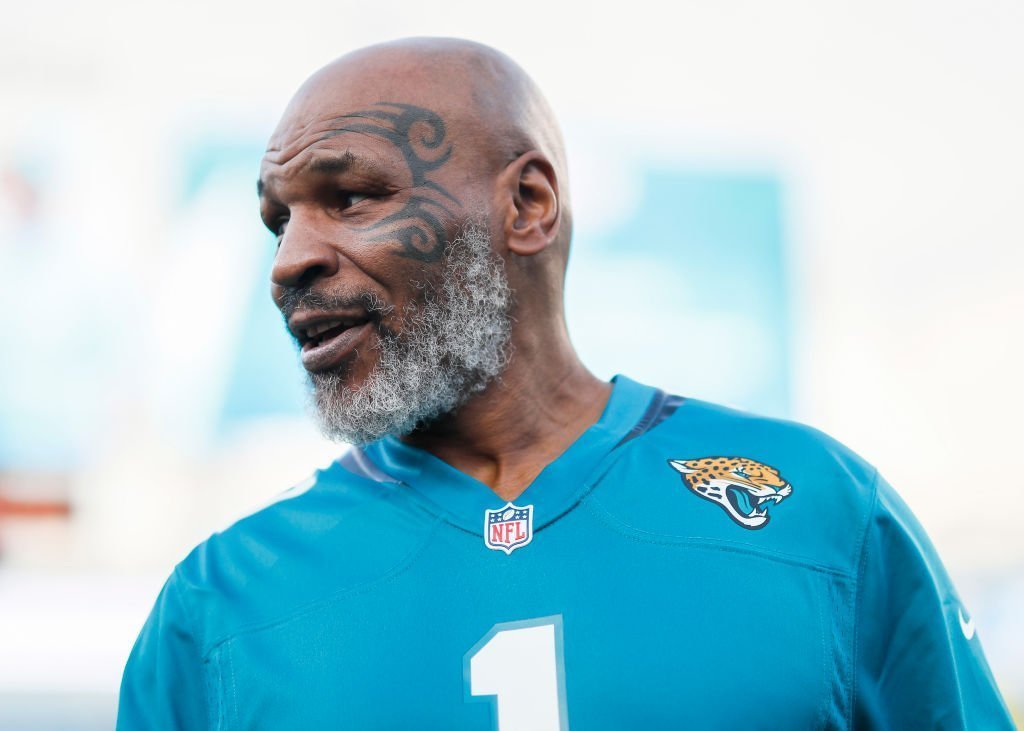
(505, 435)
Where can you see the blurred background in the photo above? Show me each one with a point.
(830, 192)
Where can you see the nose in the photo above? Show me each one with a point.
(303, 256)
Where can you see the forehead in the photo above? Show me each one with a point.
(331, 146)
(374, 109)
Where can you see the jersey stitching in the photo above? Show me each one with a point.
(192, 625)
(862, 552)
(639, 438)
(616, 524)
(593, 479)
(221, 699)
(716, 544)
(234, 687)
(661, 408)
(591, 482)
(825, 652)
(587, 486)
(424, 503)
(213, 714)
(841, 601)
(392, 574)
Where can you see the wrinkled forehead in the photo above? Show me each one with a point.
(385, 108)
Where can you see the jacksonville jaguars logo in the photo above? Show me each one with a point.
(744, 488)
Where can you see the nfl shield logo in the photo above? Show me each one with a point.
(508, 528)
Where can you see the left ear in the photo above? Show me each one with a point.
(528, 191)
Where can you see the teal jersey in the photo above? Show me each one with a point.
(680, 566)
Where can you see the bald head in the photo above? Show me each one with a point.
(491, 110)
(487, 94)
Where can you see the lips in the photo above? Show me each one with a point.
(326, 340)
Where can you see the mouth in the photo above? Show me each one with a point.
(325, 341)
(744, 503)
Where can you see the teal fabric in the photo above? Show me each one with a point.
(363, 599)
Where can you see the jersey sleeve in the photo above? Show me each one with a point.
(164, 681)
(919, 661)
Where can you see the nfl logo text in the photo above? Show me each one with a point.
(508, 528)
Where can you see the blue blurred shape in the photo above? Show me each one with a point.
(690, 292)
(266, 377)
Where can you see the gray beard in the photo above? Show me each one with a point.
(453, 341)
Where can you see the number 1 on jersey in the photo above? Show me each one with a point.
(521, 664)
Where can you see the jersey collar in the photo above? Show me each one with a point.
(462, 499)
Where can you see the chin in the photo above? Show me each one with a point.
(349, 374)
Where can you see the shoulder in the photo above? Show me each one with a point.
(724, 477)
(305, 545)
(783, 444)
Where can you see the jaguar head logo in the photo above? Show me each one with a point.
(744, 488)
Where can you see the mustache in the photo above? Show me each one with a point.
(294, 299)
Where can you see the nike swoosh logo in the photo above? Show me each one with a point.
(966, 625)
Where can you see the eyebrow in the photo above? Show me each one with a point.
(333, 165)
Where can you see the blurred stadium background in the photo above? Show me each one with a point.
(805, 209)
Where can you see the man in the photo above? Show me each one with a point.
(513, 543)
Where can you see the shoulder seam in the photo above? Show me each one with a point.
(661, 407)
(859, 579)
(175, 585)
(398, 569)
(640, 535)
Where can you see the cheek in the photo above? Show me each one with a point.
(402, 280)
(414, 227)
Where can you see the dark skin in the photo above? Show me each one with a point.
(378, 160)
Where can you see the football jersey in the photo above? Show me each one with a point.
(679, 566)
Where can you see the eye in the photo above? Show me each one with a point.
(278, 227)
(347, 198)
(739, 472)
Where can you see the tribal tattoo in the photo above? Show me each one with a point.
(422, 236)
(420, 135)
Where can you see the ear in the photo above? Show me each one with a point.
(528, 193)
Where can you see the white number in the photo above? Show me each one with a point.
(520, 663)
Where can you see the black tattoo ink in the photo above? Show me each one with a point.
(422, 237)
(401, 135)
(419, 134)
